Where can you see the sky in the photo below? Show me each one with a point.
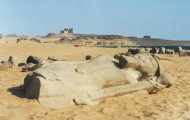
(167, 19)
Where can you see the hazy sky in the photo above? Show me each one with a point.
(169, 19)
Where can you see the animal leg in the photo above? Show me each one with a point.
(84, 100)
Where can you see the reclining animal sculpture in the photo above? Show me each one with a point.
(63, 84)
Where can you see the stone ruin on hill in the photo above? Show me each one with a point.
(66, 30)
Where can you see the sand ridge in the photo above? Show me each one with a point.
(172, 103)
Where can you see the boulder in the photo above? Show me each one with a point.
(188, 52)
(178, 49)
(154, 51)
(88, 57)
(162, 50)
(148, 50)
(168, 51)
(128, 54)
(52, 58)
(183, 53)
(136, 50)
(122, 54)
(34, 60)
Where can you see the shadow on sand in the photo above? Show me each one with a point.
(17, 91)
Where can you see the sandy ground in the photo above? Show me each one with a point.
(169, 104)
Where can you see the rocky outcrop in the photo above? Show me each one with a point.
(35, 40)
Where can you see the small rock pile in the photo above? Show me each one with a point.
(35, 40)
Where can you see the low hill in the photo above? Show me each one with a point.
(15, 35)
(92, 39)
(158, 42)
(86, 36)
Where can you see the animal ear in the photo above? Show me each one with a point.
(159, 70)
(166, 79)
(162, 80)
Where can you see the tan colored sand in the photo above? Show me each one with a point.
(172, 103)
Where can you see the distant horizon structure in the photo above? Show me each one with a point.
(70, 30)
(66, 30)
(147, 36)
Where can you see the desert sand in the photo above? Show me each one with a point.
(169, 104)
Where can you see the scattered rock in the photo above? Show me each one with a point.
(15, 62)
(34, 60)
(183, 53)
(178, 49)
(162, 50)
(88, 57)
(29, 68)
(168, 51)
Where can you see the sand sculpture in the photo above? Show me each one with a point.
(63, 84)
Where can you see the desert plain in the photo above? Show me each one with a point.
(169, 104)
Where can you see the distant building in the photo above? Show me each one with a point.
(66, 30)
(132, 37)
(1, 36)
(146, 37)
(70, 30)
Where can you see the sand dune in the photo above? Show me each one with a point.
(168, 104)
